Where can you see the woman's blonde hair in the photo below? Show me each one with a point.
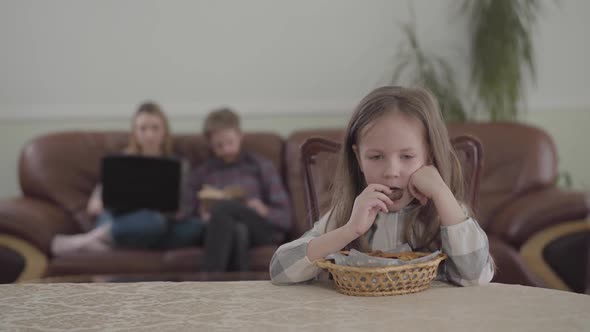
(422, 223)
(154, 109)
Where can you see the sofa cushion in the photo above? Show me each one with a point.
(184, 260)
(63, 168)
(517, 158)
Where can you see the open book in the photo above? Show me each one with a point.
(209, 194)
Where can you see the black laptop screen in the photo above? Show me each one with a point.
(132, 183)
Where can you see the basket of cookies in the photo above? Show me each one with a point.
(379, 273)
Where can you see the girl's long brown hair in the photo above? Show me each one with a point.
(150, 108)
(422, 223)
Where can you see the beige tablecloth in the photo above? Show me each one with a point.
(259, 305)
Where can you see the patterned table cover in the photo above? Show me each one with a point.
(261, 306)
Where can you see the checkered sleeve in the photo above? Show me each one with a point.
(470, 262)
(290, 263)
(277, 199)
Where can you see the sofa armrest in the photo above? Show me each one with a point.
(510, 268)
(537, 210)
(560, 256)
(34, 221)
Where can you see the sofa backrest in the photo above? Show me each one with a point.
(517, 158)
(295, 173)
(64, 167)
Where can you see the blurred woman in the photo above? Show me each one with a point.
(142, 229)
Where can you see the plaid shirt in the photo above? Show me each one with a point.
(466, 244)
(255, 175)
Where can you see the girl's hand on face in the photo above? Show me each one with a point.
(426, 183)
(366, 206)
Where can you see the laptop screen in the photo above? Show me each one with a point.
(132, 183)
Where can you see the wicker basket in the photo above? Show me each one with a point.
(387, 280)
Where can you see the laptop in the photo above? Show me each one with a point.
(132, 183)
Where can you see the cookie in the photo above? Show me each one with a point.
(396, 193)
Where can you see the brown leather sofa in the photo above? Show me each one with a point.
(517, 192)
(560, 256)
(58, 171)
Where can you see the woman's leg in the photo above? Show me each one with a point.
(143, 229)
(97, 240)
(182, 233)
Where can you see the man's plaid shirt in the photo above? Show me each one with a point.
(255, 175)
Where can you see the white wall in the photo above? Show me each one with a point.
(87, 64)
(80, 58)
(562, 52)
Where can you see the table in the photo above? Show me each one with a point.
(259, 305)
(141, 277)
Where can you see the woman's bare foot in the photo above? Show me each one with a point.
(65, 244)
(97, 240)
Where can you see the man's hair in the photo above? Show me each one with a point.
(220, 119)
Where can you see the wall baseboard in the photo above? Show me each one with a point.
(174, 110)
(281, 109)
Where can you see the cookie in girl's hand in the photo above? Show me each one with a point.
(396, 193)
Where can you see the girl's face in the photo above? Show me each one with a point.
(149, 132)
(390, 149)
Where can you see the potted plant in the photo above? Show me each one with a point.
(501, 53)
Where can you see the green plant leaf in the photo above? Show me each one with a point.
(429, 71)
(501, 52)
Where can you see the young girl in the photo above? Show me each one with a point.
(144, 229)
(398, 182)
